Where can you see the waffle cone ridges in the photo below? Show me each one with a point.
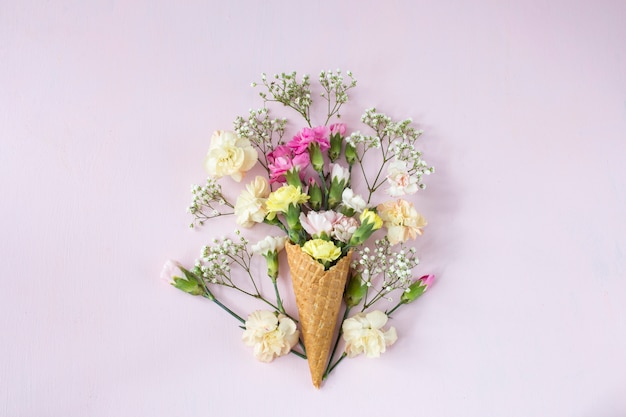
(319, 295)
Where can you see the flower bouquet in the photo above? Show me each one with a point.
(325, 225)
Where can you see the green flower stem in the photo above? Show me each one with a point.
(260, 297)
(395, 308)
(332, 355)
(298, 354)
(223, 307)
(378, 296)
(334, 366)
(279, 301)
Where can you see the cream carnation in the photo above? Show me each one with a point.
(229, 155)
(270, 335)
(364, 333)
(401, 220)
(250, 206)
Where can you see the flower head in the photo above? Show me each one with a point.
(338, 129)
(401, 220)
(270, 335)
(340, 174)
(269, 248)
(400, 182)
(344, 228)
(321, 250)
(369, 216)
(271, 244)
(171, 269)
(300, 143)
(250, 206)
(417, 288)
(353, 201)
(364, 333)
(282, 160)
(318, 223)
(229, 155)
(282, 198)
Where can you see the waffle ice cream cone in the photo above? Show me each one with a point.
(319, 294)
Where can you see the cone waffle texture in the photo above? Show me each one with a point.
(319, 294)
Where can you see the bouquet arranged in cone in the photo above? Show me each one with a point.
(345, 252)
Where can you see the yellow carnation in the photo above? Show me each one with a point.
(321, 250)
(281, 199)
(369, 216)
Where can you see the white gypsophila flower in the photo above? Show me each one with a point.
(250, 206)
(270, 335)
(399, 179)
(364, 333)
(344, 228)
(353, 201)
(340, 173)
(269, 244)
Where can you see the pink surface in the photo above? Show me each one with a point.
(106, 109)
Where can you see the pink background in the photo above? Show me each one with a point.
(106, 109)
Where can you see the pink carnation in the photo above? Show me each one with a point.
(338, 128)
(300, 143)
(314, 223)
(282, 159)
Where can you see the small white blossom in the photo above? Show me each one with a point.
(353, 201)
(269, 244)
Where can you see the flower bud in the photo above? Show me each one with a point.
(340, 177)
(350, 154)
(355, 291)
(190, 287)
(415, 290)
(272, 265)
(370, 221)
(315, 194)
(317, 159)
(335, 147)
(292, 177)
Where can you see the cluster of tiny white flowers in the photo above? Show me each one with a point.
(260, 129)
(207, 202)
(286, 89)
(215, 262)
(386, 268)
(368, 142)
(377, 121)
(333, 84)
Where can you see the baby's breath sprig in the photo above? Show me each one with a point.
(335, 91)
(384, 270)
(262, 131)
(286, 89)
(217, 261)
(208, 202)
(395, 140)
